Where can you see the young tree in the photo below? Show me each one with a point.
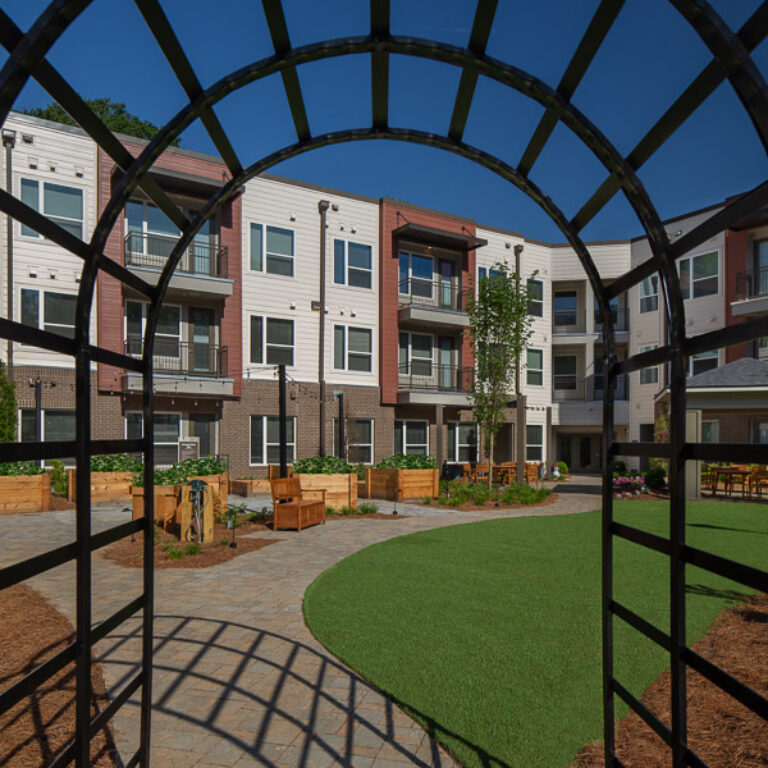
(7, 408)
(112, 113)
(499, 330)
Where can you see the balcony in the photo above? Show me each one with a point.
(568, 321)
(620, 316)
(434, 304)
(751, 293)
(567, 388)
(428, 383)
(182, 367)
(202, 269)
(621, 388)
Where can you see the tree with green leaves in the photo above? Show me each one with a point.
(112, 113)
(7, 408)
(499, 330)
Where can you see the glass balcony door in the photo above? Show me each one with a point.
(201, 323)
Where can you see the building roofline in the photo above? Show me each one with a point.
(423, 209)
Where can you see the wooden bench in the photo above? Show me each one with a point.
(290, 509)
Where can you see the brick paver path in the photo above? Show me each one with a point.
(239, 680)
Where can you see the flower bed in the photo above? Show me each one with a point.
(24, 487)
(626, 486)
(404, 477)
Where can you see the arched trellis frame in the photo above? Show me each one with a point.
(731, 60)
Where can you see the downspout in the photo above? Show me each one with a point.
(9, 141)
(322, 207)
(519, 397)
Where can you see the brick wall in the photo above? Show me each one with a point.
(736, 245)
(735, 426)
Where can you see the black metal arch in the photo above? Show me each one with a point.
(731, 59)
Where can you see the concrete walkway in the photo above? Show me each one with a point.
(239, 680)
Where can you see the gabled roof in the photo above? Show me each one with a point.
(746, 372)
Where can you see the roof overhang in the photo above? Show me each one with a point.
(186, 183)
(417, 233)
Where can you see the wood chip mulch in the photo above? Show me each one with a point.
(34, 731)
(130, 553)
(722, 732)
(492, 506)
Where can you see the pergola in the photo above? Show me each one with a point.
(730, 51)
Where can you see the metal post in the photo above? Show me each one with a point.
(342, 454)
(322, 207)
(9, 142)
(282, 421)
(38, 387)
(519, 396)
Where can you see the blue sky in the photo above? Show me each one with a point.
(649, 57)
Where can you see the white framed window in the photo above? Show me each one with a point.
(56, 315)
(166, 437)
(352, 264)
(462, 441)
(699, 275)
(57, 425)
(534, 367)
(272, 340)
(486, 272)
(710, 431)
(536, 298)
(167, 333)
(416, 274)
(534, 442)
(415, 354)
(649, 294)
(703, 361)
(649, 375)
(265, 440)
(352, 348)
(272, 250)
(61, 204)
(412, 437)
(358, 435)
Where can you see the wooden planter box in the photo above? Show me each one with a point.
(249, 486)
(24, 493)
(340, 490)
(219, 486)
(412, 484)
(105, 486)
(166, 502)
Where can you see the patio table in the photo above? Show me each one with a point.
(729, 473)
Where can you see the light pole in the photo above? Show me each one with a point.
(9, 142)
(339, 395)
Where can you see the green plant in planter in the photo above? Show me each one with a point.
(59, 482)
(411, 461)
(367, 508)
(116, 462)
(323, 465)
(18, 468)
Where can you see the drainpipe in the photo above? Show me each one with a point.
(9, 142)
(322, 207)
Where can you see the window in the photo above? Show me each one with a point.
(484, 272)
(352, 348)
(699, 275)
(275, 250)
(649, 375)
(710, 431)
(534, 442)
(62, 205)
(649, 294)
(536, 298)
(415, 354)
(167, 335)
(566, 308)
(278, 342)
(462, 441)
(416, 274)
(412, 437)
(760, 431)
(166, 437)
(359, 440)
(265, 439)
(57, 425)
(58, 314)
(534, 374)
(703, 361)
(352, 264)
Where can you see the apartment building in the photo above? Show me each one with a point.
(363, 300)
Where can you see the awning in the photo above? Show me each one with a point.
(179, 181)
(418, 233)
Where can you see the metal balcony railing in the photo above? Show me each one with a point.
(621, 391)
(568, 321)
(620, 317)
(441, 294)
(567, 388)
(423, 374)
(752, 284)
(183, 358)
(200, 259)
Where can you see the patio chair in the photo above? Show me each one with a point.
(481, 472)
(758, 480)
(290, 509)
(467, 473)
(740, 480)
(531, 472)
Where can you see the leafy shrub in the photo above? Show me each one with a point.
(345, 510)
(116, 462)
(562, 466)
(367, 508)
(619, 468)
(8, 412)
(655, 478)
(411, 461)
(192, 548)
(174, 553)
(183, 471)
(455, 493)
(17, 468)
(59, 481)
(323, 465)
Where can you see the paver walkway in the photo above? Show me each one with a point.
(239, 680)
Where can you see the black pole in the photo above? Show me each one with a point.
(37, 384)
(9, 142)
(342, 452)
(282, 421)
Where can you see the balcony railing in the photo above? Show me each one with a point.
(183, 358)
(752, 284)
(423, 374)
(441, 294)
(568, 321)
(200, 259)
(620, 317)
(567, 388)
(621, 391)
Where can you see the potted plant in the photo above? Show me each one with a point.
(111, 478)
(331, 474)
(401, 477)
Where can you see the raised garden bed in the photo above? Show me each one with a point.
(340, 490)
(249, 486)
(106, 487)
(401, 484)
(167, 499)
(24, 493)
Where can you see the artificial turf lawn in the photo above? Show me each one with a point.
(490, 633)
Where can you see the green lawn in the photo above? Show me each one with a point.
(490, 632)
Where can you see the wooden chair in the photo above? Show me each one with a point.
(290, 510)
(531, 472)
(273, 471)
(742, 480)
(758, 480)
(467, 474)
(481, 472)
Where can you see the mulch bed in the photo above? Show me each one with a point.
(34, 731)
(722, 732)
(130, 553)
(370, 516)
(492, 506)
